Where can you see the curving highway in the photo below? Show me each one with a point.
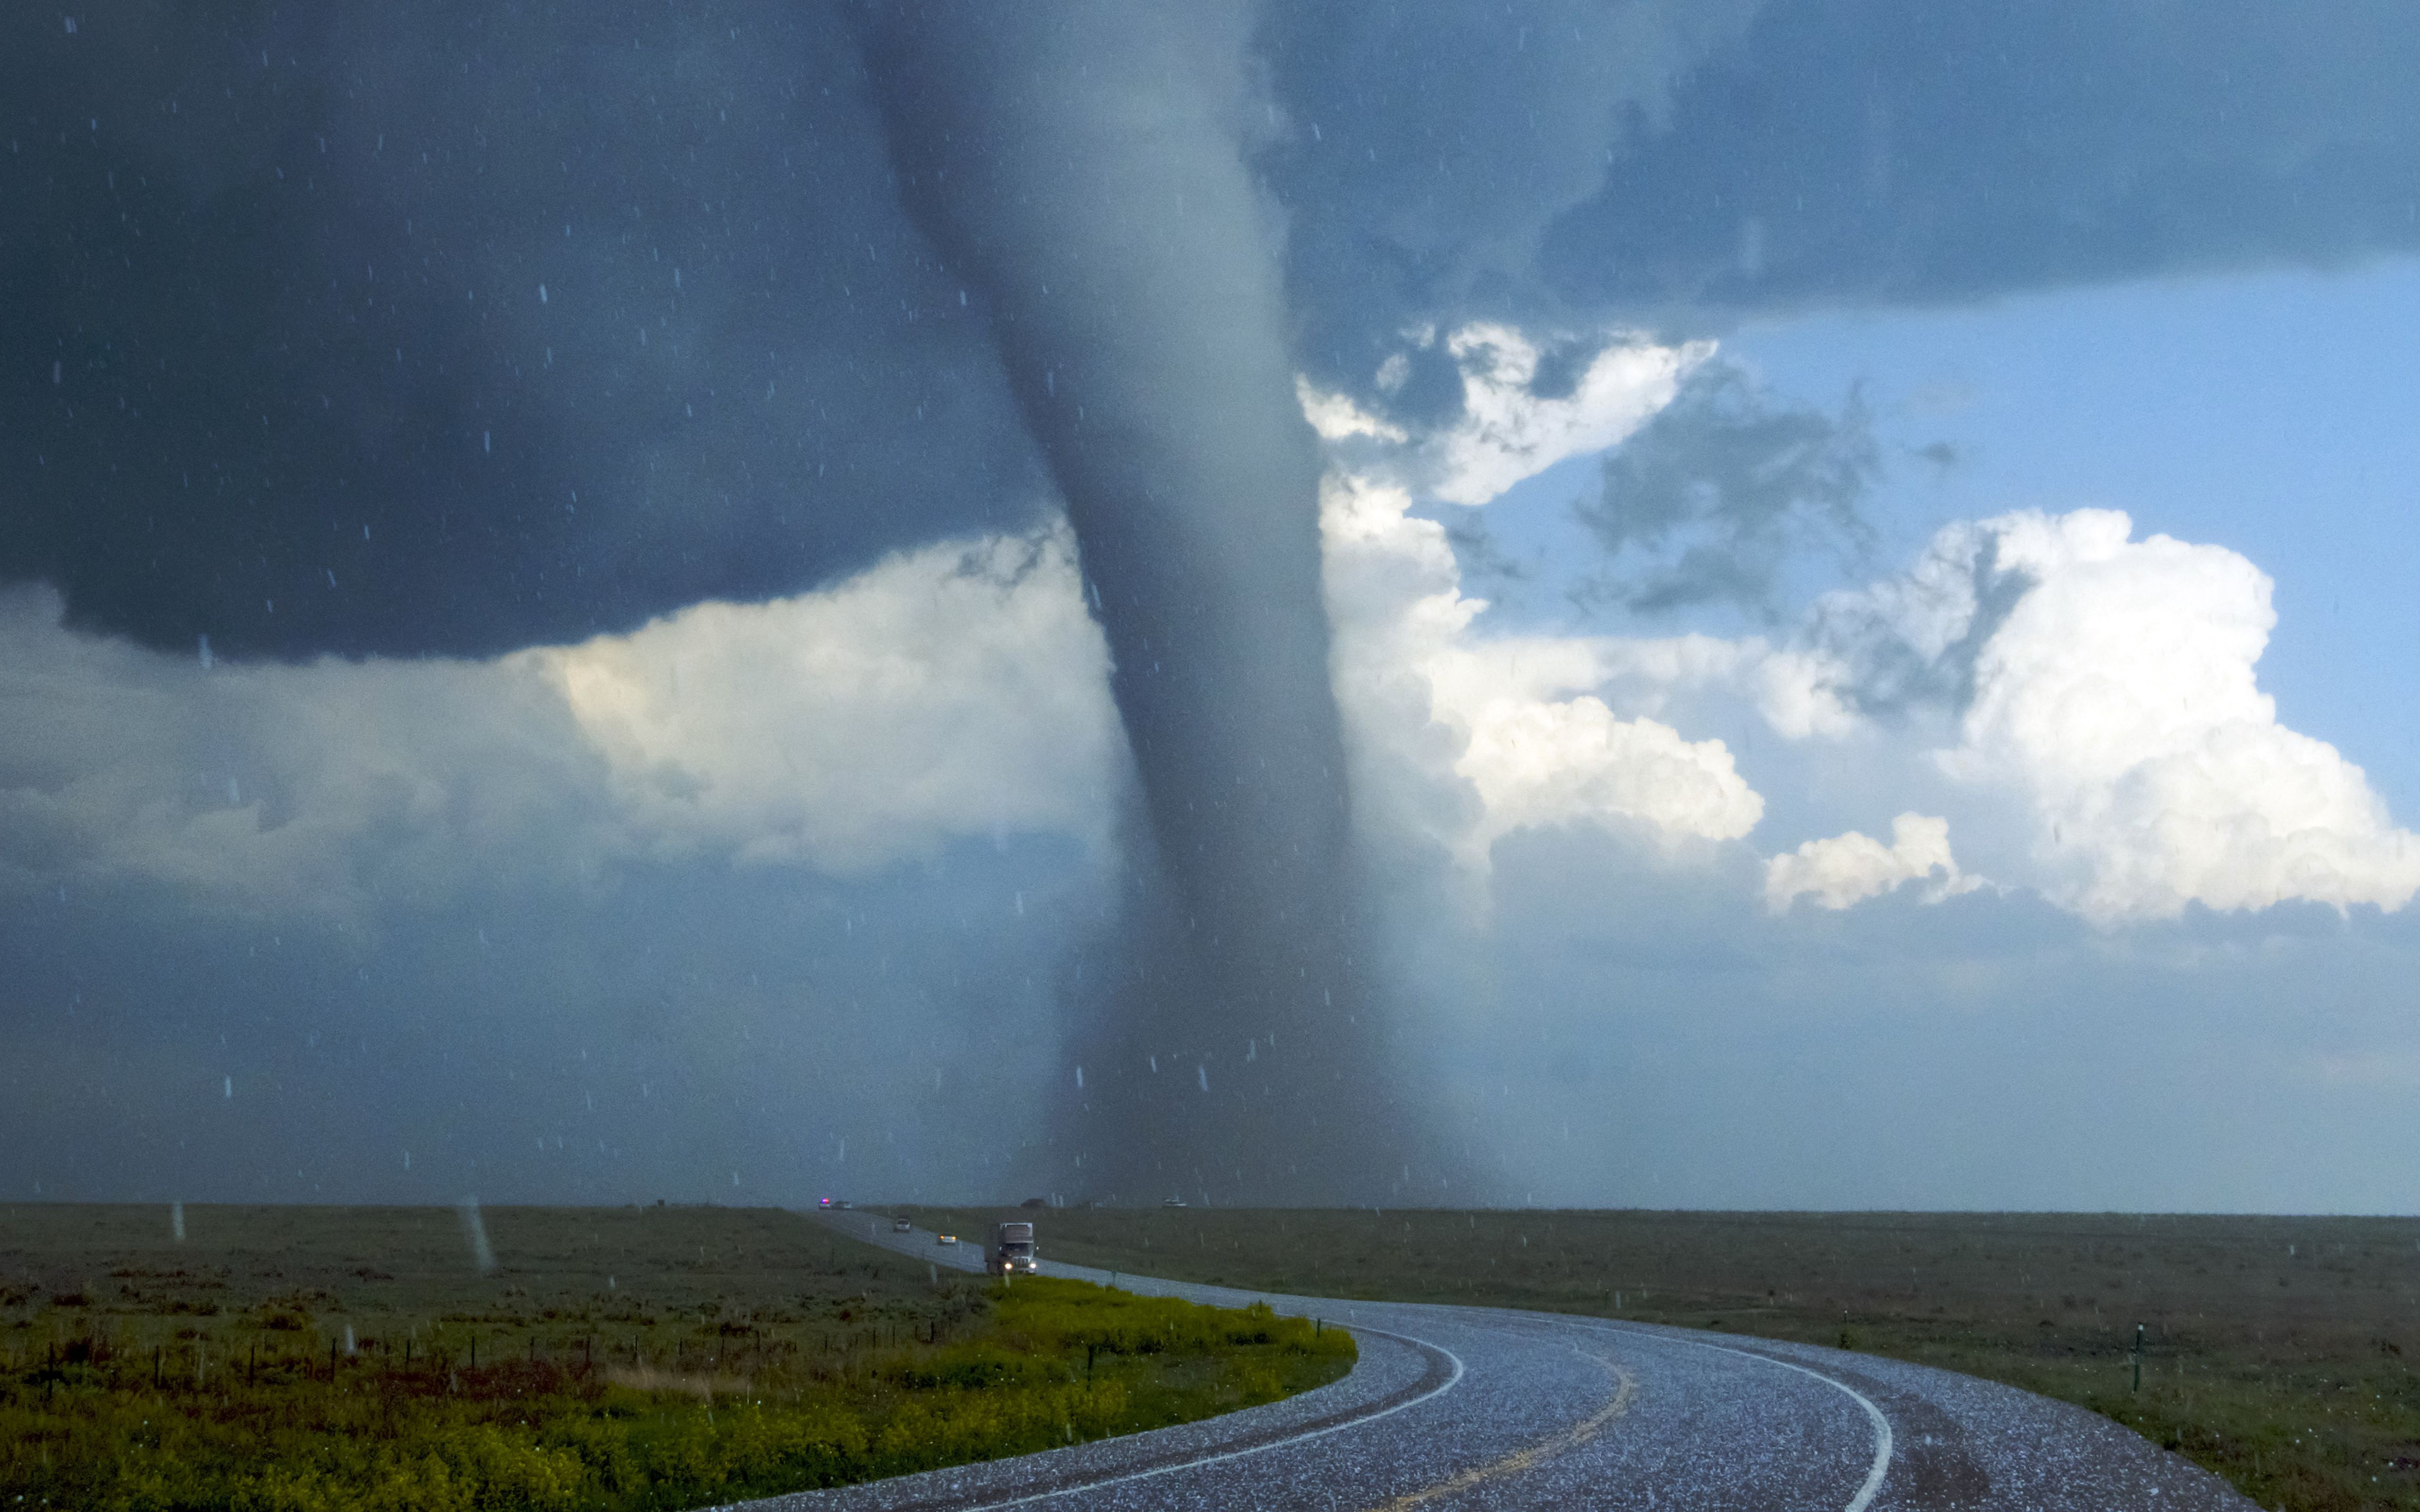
(1476, 1406)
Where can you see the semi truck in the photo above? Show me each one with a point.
(1011, 1249)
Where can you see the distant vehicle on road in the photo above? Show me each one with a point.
(1011, 1249)
(945, 1238)
(1173, 1202)
(901, 1226)
(837, 1203)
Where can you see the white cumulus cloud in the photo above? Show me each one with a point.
(958, 690)
(1850, 868)
(1507, 431)
(1463, 739)
(1537, 763)
(2085, 703)
(2111, 700)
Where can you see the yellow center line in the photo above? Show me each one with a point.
(1625, 1392)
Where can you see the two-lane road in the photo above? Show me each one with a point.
(1475, 1407)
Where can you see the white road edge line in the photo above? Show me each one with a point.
(1882, 1425)
(1448, 1384)
(1450, 1381)
(1882, 1441)
(1858, 1502)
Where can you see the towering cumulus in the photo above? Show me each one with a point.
(1084, 167)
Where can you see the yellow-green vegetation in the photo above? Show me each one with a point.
(291, 1359)
(2275, 1347)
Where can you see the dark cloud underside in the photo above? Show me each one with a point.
(279, 369)
(270, 277)
(1685, 167)
(1899, 152)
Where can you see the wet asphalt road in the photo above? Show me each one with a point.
(1473, 1407)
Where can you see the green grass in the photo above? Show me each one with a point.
(630, 1358)
(2277, 1347)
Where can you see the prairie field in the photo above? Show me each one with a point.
(2276, 1350)
(306, 1358)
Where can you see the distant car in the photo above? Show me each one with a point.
(901, 1226)
(825, 1203)
(843, 1204)
(945, 1238)
(1173, 1202)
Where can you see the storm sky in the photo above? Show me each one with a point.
(1596, 603)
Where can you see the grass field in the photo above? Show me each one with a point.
(293, 1359)
(2275, 1347)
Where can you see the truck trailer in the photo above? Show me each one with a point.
(1011, 1249)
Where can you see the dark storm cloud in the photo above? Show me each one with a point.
(1430, 146)
(1901, 152)
(458, 327)
(1728, 485)
(1621, 164)
(270, 278)
(1086, 167)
